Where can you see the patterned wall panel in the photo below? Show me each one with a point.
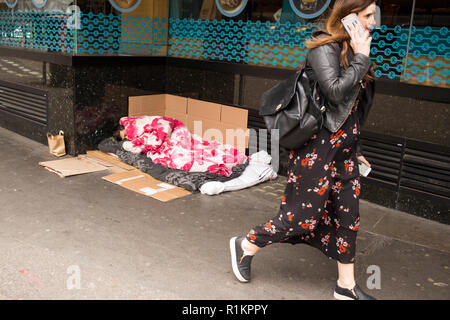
(97, 33)
(271, 44)
(428, 60)
(413, 55)
(422, 58)
(36, 30)
(388, 51)
(116, 34)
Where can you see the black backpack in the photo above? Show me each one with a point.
(295, 109)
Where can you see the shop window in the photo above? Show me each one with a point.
(429, 48)
(261, 32)
(266, 10)
(412, 53)
(35, 24)
(94, 27)
(267, 33)
(126, 27)
(389, 46)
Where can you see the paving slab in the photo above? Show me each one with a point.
(82, 237)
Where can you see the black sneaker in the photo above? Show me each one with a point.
(347, 294)
(239, 261)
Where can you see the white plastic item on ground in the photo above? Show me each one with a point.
(258, 171)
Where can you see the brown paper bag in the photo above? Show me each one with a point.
(56, 144)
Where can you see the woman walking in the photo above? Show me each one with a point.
(320, 205)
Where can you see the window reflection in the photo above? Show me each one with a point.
(428, 51)
(262, 32)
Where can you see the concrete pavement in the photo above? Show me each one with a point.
(82, 237)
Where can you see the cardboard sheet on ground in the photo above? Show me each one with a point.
(107, 159)
(140, 182)
(72, 166)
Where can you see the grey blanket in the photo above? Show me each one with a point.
(191, 181)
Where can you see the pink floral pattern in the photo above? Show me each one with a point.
(168, 142)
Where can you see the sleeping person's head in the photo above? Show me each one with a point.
(120, 133)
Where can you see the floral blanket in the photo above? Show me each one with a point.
(168, 142)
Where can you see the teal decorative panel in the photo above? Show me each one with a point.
(388, 50)
(117, 34)
(36, 30)
(422, 58)
(97, 33)
(272, 44)
(414, 55)
(428, 58)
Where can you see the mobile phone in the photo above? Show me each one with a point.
(352, 20)
(364, 169)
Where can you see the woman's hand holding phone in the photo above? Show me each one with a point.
(360, 44)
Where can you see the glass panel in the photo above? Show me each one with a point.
(36, 24)
(257, 32)
(428, 59)
(94, 27)
(390, 39)
(124, 27)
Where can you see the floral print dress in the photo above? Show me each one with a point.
(320, 205)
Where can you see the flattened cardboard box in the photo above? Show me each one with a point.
(72, 166)
(140, 182)
(108, 159)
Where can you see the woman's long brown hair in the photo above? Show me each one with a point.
(334, 26)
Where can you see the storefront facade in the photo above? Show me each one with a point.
(72, 65)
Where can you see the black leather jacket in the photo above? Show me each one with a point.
(340, 87)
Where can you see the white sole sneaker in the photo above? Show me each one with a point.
(233, 260)
(341, 297)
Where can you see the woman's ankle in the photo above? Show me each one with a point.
(349, 284)
(249, 248)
